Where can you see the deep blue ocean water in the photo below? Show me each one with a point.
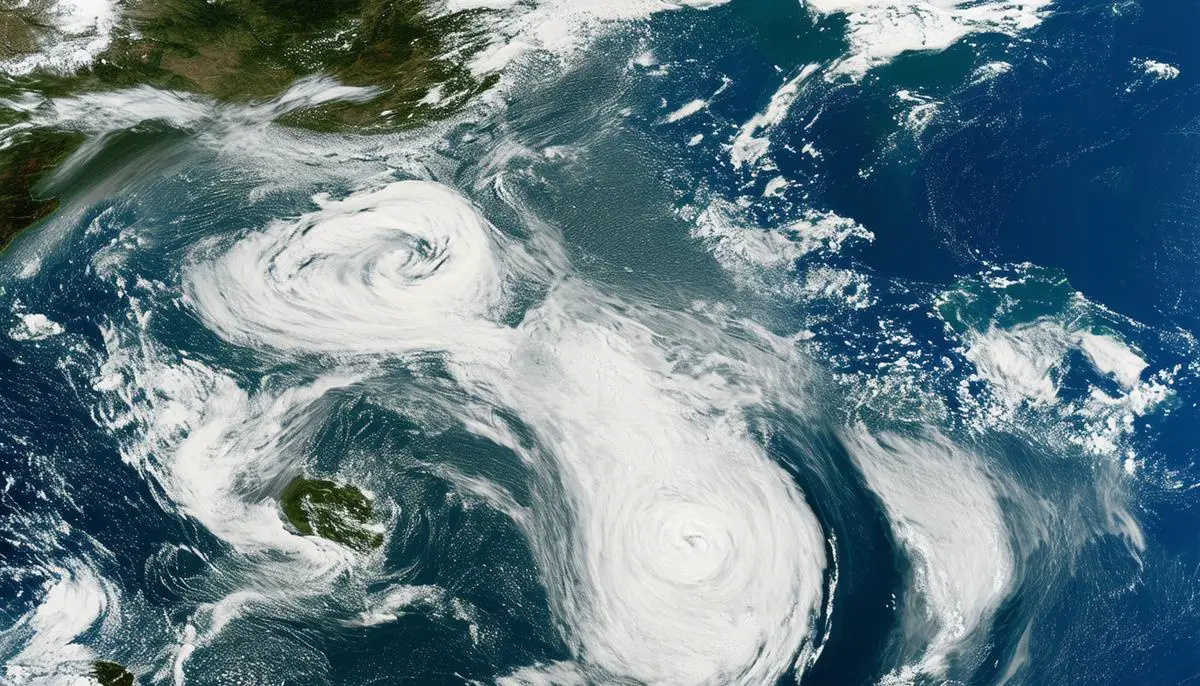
(1073, 160)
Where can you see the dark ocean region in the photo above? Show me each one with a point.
(694, 353)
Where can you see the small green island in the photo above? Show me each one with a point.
(338, 512)
(111, 674)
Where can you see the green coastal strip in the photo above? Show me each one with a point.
(1007, 298)
(338, 512)
(24, 164)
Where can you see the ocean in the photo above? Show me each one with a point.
(729, 344)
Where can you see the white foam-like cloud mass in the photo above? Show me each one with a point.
(684, 555)
(686, 110)
(210, 444)
(410, 266)
(753, 139)
(673, 548)
(1161, 71)
(34, 327)
(944, 509)
(79, 30)
(50, 655)
(1023, 367)
(698, 560)
(879, 30)
(556, 27)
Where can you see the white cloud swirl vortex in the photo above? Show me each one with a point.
(407, 266)
(694, 557)
(700, 587)
(685, 555)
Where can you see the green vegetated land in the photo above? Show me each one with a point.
(244, 50)
(338, 512)
(111, 674)
(28, 158)
(252, 49)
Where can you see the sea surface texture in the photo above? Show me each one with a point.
(599, 342)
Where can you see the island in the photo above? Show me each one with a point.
(111, 674)
(338, 512)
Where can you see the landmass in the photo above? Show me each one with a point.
(253, 49)
(111, 674)
(338, 512)
(236, 51)
(29, 157)
(1006, 299)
